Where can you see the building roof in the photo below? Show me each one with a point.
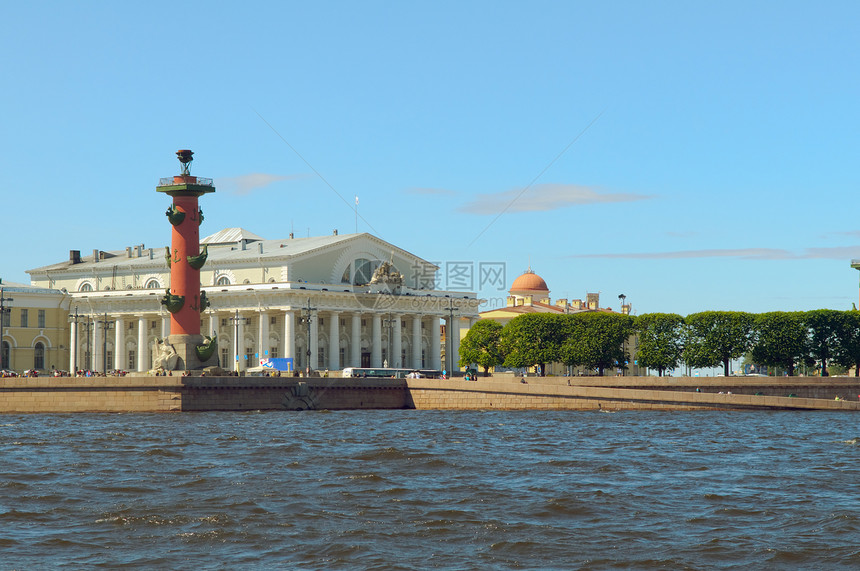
(230, 236)
(529, 283)
(244, 246)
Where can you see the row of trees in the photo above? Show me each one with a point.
(662, 341)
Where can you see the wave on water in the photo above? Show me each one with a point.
(430, 489)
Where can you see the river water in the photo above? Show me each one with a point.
(430, 490)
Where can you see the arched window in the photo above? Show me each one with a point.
(39, 356)
(152, 284)
(223, 280)
(86, 286)
(363, 271)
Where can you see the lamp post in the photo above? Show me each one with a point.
(389, 323)
(307, 319)
(76, 319)
(4, 311)
(449, 341)
(106, 325)
(236, 321)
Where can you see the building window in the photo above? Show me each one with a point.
(152, 284)
(87, 286)
(131, 363)
(322, 321)
(223, 280)
(224, 322)
(342, 357)
(6, 363)
(225, 358)
(403, 358)
(41, 318)
(273, 352)
(108, 361)
(273, 320)
(321, 357)
(7, 317)
(130, 325)
(25, 318)
(343, 322)
(249, 357)
(423, 359)
(39, 356)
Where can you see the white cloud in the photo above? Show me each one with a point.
(544, 197)
(247, 183)
(834, 253)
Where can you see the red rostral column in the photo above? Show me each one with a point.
(183, 300)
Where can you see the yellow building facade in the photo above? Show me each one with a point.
(35, 330)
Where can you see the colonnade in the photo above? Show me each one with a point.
(347, 339)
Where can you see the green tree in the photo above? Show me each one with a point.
(781, 339)
(825, 326)
(848, 345)
(532, 339)
(715, 337)
(661, 341)
(596, 340)
(481, 345)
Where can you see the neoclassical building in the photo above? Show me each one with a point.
(33, 328)
(327, 302)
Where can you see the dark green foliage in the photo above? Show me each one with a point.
(596, 340)
(532, 339)
(825, 326)
(482, 345)
(847, 353)
(660, 341)
(781, 339)
(715, 337)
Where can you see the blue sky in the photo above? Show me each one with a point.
(690, 155)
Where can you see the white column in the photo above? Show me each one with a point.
(435, 344)
(355, 341)
(454, 330)
(263, 339)
(314, 342)
(416, 342)
(213, 325)
(239, 344)
(119, 345)
(73, 346)
(334, 341)
(142, 346)
(165, 326)
(376, 341)
(290, 335)
(98, 347)
(395, 360)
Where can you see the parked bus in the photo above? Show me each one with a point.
(388, 373)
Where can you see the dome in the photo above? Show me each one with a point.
(529, 283)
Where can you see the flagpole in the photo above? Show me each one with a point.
(356, 214)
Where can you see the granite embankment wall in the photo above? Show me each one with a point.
(638, 393)
(176, 394)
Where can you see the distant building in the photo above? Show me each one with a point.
(370, 303)
(529, 293)
(35, 328)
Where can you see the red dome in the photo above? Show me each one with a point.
(529, 283)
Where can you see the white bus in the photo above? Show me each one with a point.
(388, 373)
